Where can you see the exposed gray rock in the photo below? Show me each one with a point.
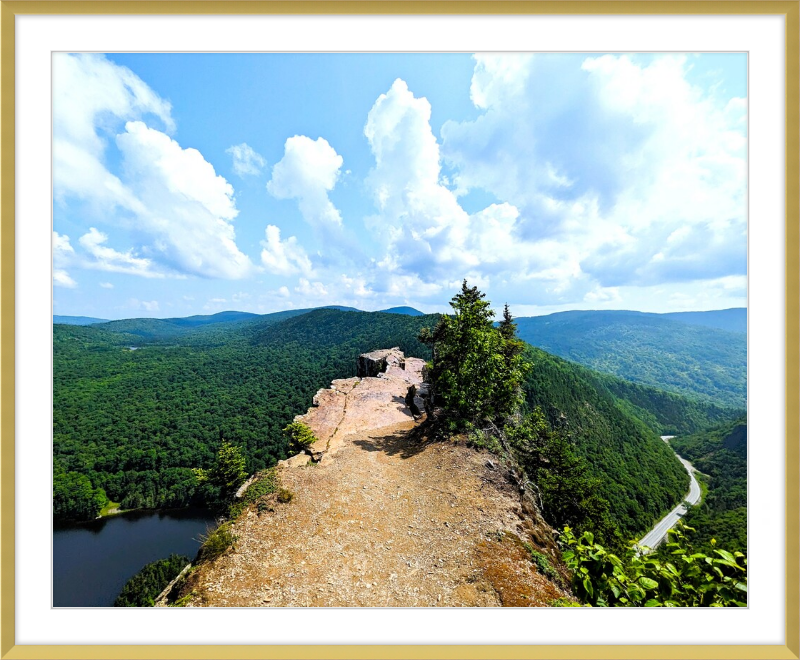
(315, 400)
(376, 362)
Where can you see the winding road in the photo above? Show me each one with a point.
(651, 540)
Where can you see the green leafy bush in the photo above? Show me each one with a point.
(285, 495)
(144, 587)
(300, 436)
(685, 579)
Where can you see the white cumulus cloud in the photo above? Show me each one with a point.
(63, 255)
(189, 209)
(109, 259)
(178, 210)
(284, 257)
(245, 160)
(621, 171)
(62, 278)
(307, 172)
(90, 95)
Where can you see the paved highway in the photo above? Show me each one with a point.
(650, 540)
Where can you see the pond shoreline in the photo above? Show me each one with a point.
(92, 560)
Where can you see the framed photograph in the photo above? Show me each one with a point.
(380, 309)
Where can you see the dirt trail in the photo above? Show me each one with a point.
(385, 519)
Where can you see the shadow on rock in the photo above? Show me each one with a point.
(404, 444)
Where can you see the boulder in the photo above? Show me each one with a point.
(295, 461)
(376, 362)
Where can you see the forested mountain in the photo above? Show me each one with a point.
(410, 311)
(638, 473)
(205, 319)
(720, 453)
(666, 413)
(732, 320)
(134, 422)
(167, 329)
(76, 320)
(697, 361)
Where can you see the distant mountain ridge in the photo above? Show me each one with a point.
(732, 320)
(408, 311)
(692, 359)
(76, 320)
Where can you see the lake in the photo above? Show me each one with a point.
(92, 561)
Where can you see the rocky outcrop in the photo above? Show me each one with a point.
(373, 399)
(370, 365)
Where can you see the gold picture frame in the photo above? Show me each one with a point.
(9, 9)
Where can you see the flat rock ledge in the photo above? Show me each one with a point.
(372, 400)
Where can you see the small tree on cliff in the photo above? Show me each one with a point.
(228, 471)
(476, 368)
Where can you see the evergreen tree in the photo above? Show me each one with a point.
(466, 357)
(228, 471)
(508, 389)
(477, 369)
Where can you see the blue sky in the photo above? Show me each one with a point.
(196, 183)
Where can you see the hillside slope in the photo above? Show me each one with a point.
(697, 361)
(640, 476)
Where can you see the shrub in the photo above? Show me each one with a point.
(300, 436)
(477, 369)
(265, 483)
(480, 439)
(228, 471)
(285, 495)
(264, 505)
(216, 542)
(543, 564)
(690, 579)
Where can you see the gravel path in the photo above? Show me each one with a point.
(390, 520)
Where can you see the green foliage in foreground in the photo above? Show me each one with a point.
(144, 587)
(685, 579)
(300, 436)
